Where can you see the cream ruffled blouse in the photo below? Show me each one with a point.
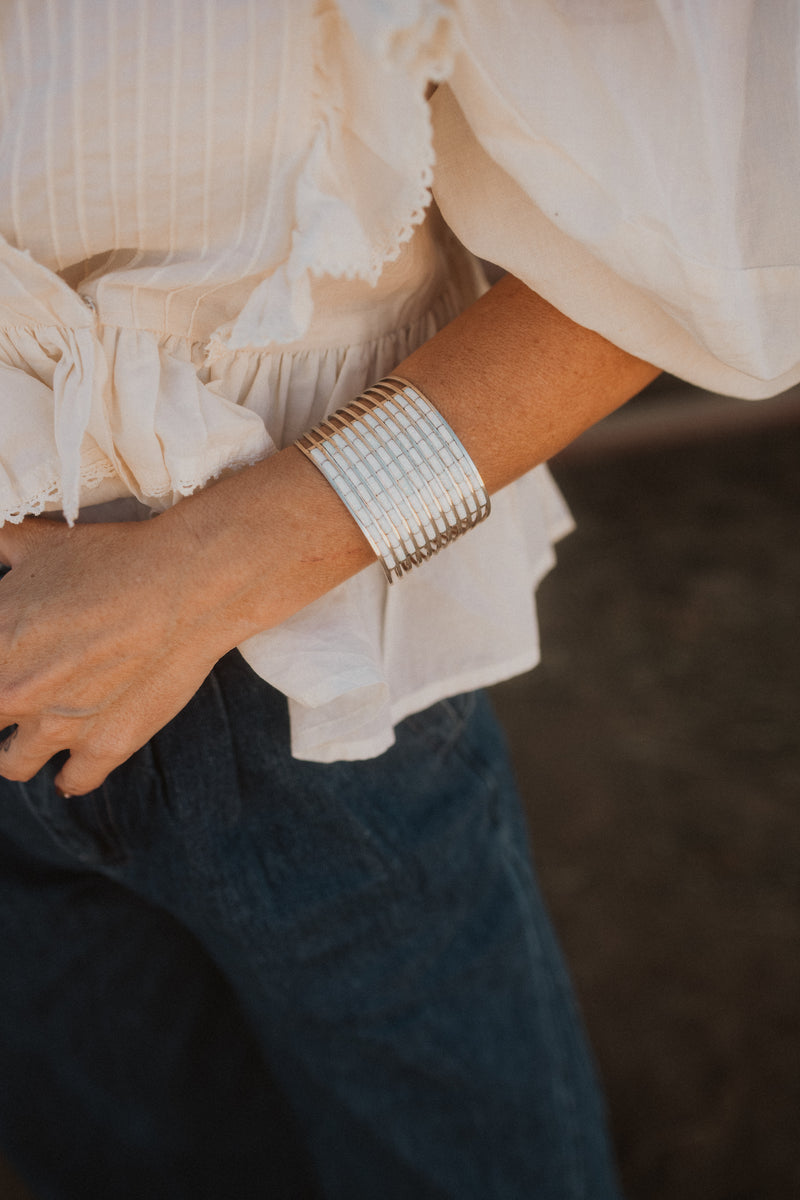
(217, 228)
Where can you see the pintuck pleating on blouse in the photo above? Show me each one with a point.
(216, 227)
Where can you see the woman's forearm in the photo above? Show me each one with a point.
(517, 381)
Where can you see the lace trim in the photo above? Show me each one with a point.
(402, 52)
(423, 46)
(51, 496)
(91, 477)
(187, 487)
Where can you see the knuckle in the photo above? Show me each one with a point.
(55, 731)
(108, 746)
(13, 696)
(112, 747)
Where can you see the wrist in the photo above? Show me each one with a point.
(261, 544)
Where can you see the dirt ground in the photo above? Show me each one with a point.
(658, 750)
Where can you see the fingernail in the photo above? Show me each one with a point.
(64, 795)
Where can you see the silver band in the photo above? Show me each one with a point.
(401, 471)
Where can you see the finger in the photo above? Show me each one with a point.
(24, 751)
(90, 764)
(84, 772)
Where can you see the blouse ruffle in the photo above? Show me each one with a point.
(364, 183)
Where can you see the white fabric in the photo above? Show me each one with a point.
(214, 233)
(639, 161)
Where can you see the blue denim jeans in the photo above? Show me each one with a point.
(229, 974)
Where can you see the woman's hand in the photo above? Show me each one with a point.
(102, 641)
(107, 631)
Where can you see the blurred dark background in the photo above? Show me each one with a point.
(658, 752)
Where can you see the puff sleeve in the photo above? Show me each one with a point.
(637, 163)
